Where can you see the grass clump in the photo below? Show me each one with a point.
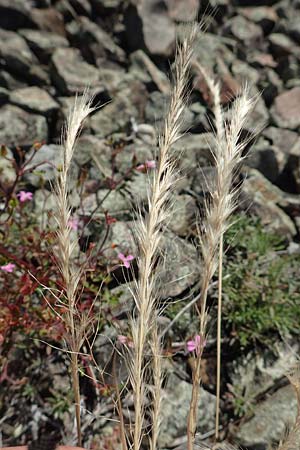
(261, 289)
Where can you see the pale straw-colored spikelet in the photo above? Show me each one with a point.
(148, 234)
(76, 324)
(227, 154)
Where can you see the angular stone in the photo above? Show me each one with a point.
(265, 16)
(183, 215)
(209, 48)
(95, 43)
(116, 115)
(175, 408)
(258, 118)
(153, 27)
(18, 58)
(9, 82)
(146, 71)
(48, 157)
(244, 30)
(258, 371)
(7, 171)
(88, 149)
(286, 109)
(43, 43)
(17, 127)
(282, 138)
(183, 11)
(49, 19)
(270, 420)
(34, 99)
(281, 45)
(70, 73)
(112, 201)
(266, 201)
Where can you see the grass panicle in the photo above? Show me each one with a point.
(227, 154)
(148, 231)
(76, 324)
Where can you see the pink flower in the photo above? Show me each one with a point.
(125, 259)
(195, 344)
(24, 196)
(73, 223)
(122, 339)
(148, 165)
(8, 267)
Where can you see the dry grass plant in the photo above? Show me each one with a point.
(148, 232)
(227, 154)
(77, 324)
(144, 358)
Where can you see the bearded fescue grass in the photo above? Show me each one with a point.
(77, 324)
(149, 232)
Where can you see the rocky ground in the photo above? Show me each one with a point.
(122, 50)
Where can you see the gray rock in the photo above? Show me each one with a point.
(183, 12)
(156, 109)
(293, 165)
(140, 151)
(17, 127)
(175, 408)
(70, 73)
(18, 58)
(244, 30)
(106, 5)
(265, 16)
(48, 158)
(112, 201)
(268, 159)
(258, 118)
(266, 201)
(146, 71)
(183, 215)
(115, 116)
(43, 43)
(95, 43)
(286, 109)
(153, 27)
(181, 267)
(270, 420)
(282, 45)
(34, 99)
(209, 48)
(48, 19)
(9, 82)
(7, 171)
(91, 149)
(243, 72)
(282, 138)
(256, 373)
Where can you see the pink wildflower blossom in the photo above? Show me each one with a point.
(124, 340)
(73, 223)
(125, 259)
(148, 165)
(8, 267)
(195, 344)
(24, 196)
